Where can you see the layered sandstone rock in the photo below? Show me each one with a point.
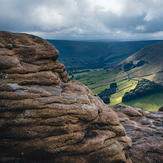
(146, 131)
(45, 117)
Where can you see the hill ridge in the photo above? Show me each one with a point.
(86, 55)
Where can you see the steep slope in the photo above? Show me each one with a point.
(153, 54)
(152, 70)
(88, 55)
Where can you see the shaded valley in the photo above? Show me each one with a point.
(79, 55)
(145, 63)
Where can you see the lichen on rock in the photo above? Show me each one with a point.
(45, 117)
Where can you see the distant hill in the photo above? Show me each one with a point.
(153, 69)
(91, 55)
(147, 63)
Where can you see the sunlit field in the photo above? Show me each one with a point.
(151, 102)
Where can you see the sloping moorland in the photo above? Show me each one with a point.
(77, 55)
(99, 78)
(151, 70)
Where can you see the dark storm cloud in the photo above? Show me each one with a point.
(84, 19)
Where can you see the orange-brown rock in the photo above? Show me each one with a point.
(45, 117)
(146, 131)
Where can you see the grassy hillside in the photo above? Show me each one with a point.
(153, 54)
(99, 79)
(79, 55)
(91, 62)
(123, 86)
(150, 102)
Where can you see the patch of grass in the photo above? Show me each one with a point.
(123, 86)
(150, 102)
(93, 76)
(100, 89)
(100, 77)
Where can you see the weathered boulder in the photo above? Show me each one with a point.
(45, 117)
(146, 131)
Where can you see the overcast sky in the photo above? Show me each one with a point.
(84, 19)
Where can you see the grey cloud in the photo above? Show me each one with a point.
(114, 22)
(155, 25)
(76, 19)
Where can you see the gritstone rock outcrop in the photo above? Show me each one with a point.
(146, 131)
(45, 117)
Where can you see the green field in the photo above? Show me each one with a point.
(98, 64)
(123, 86)
(94, 76)
(150, 103)
(96, 80)
(95, 54)
(100, 89)
(97, 76)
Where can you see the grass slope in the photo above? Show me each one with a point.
(153, 54)
(99, 79)
(90, 55)
(150, 102)
(123, 86)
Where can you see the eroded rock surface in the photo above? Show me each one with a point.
(146, 131)
(45, 117)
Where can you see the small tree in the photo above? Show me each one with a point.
(127, 67)
(140, 63)
(113, 85)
